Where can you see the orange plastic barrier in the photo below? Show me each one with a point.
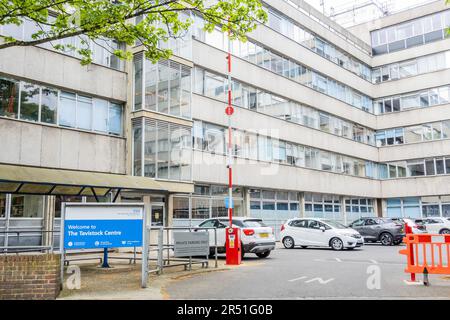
(427, 254)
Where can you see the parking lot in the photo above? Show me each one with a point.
(371, 271)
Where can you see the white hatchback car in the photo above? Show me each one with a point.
(256, 237)
(316, 232)
(436, 225)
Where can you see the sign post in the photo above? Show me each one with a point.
(232, 242)
(101, 226)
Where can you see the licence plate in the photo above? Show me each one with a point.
(263, 235)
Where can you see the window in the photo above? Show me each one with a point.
(100, 115)
(413, 134)
(29, 101)
(9, 98)
(84, 113)
(167, 150)
(67, 112)
(407, 69)
(115, 119)
(416, 168)
(2, 205)
(49, 104)
(27, 206)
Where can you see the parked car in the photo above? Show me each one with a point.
(436, 225)
(256, 237)
(417, 227)
(384, 230)
(314, 232)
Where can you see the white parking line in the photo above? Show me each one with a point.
(296, 279)
(320, 280)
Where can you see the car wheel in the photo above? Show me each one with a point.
(386, 239)
(444, 231)
(264, 254)
(288, 242)
(336, 244)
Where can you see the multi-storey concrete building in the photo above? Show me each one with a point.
(329, 122)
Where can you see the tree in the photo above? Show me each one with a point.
(95, 20)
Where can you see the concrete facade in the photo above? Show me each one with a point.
(265, 187)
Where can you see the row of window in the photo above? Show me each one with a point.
(413, 100)
(32, 102)
(205, 206)
(33, 206)
(273, 200)
(424, 132)
(102, 49)
(288, 68)
(215, 86)
(212, 138)
(434, 206)
(161, 150)
(330, 207)
(417, 168)
(411, 33)
(163, 87)
(413, 67)
(282, 24)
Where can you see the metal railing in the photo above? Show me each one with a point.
(331, 25)
(28, 248)
(160, 248)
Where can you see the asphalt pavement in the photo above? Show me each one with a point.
(374, 271)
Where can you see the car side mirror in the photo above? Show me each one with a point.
(322, 228)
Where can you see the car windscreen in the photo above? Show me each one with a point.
(335, 224)
(254, 223)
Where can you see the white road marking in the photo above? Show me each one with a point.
(338, 260)
(413, 283)
(373, 261)
(320, 280)
(296, 279)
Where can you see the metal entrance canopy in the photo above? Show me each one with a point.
(44, 181)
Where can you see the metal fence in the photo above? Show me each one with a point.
(163, 248)
(20, 234)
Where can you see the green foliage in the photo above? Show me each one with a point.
(100, 19)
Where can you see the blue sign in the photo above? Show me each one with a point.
(90, 227)
(227, 203)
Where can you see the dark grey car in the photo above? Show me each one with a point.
(383, 230)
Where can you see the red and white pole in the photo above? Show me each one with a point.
(229, 112)
(233, 242)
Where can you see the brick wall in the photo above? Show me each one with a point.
(29, 276)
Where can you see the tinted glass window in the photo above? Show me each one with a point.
(208, 224)
(299, 223)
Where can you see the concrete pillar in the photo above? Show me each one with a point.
(169, 210)
(301, 199)
(246, 208)
(48, 221)
(344, 211)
